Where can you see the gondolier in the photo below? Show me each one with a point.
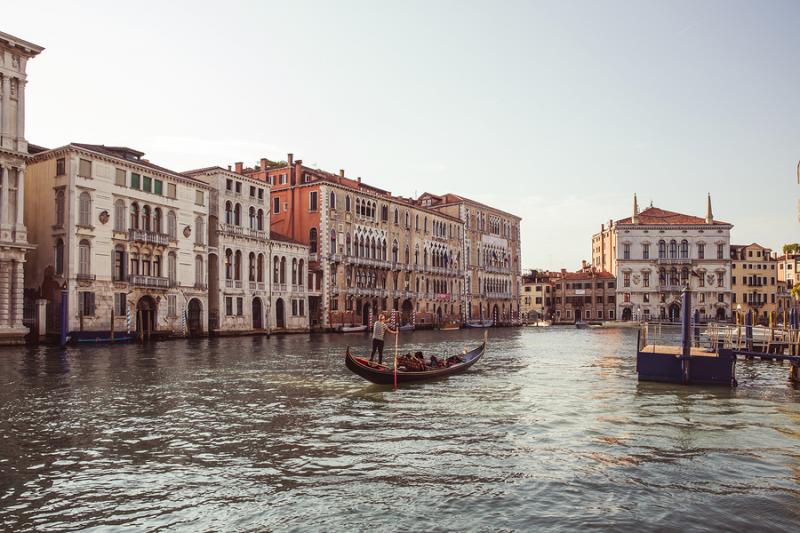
(378, 331)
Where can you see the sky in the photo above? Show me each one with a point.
(557, 112)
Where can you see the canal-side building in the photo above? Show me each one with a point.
(537, 295)
(116, 236)
(754, 280)
(255, 283)
(788, 265)
(588, 295)
(14, 56)
(493, 273)
(370, 251)
(655, 253)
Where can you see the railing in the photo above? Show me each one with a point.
(673, 261)
(85, 277)
(148, 237)
(279, 287)
(233, 283)
(200, 285)
(137, 280)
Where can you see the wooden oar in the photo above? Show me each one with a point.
(396, 340)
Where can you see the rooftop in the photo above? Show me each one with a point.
(654, 216)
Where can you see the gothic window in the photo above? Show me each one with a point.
(312, 240)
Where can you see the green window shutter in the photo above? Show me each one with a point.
(157, 187)
(147, 183)
(134, 181)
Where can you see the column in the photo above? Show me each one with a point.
(21, 115)
(20, 195)
(18, 294)
(5, 293)
(4, 195)
(4, 124)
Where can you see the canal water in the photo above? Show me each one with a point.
(551, 430)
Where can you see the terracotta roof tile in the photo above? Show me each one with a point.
(654, 216)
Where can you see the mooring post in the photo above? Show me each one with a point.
(697, 327)
(686, 339)
(748, 329)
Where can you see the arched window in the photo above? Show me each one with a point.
(228, 212)
(347, 203)
(333, 200)
(118, 264)
(396, 216)
(260, 220)
(59, 257)
(157, 266)
(251, 267)
(172, 226)
(294, 271)
(662, 250)
(416, 222)
(407, 256)
(146, 218)
(84, 258)
(237, 267)
(237, 215)
(408, 220)
(333, 241)
(157, 220)
(394, 251)
(275, 273)
(312, 240)
(283, 270)
(673, 249)
(684, 249)
(252, 217)
(228, 264)
(84, 209)
(135, 215)
(60, 207)
(260, 269)
(172, 268)
(199, 230)
(426, 225)
(119, 215)
(347, 244)
(358, 206)
(300, 273)
(199, 274)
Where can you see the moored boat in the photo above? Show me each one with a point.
(406, 327)
(385, 374)
(479, 324)
(352, 329)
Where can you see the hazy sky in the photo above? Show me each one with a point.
(555, 111)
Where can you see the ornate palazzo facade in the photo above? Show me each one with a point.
(370, 251)
(656, 253)
(14, 56)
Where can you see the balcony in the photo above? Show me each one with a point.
(85, 277)
(673, 261)
(148, 237)
(233, 284)
(152, 282)
(200, 285)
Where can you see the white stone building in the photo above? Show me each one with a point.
(655, 253)
(117, 235)
(256, 284)
(14, 56)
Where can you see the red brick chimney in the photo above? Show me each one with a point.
(239, 166)
(264, 163)
(290, 159)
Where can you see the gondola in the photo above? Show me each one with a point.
(483, 324)
(384, 374)
(406, 327)
(352, 329)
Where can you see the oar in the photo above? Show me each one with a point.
(396, 340)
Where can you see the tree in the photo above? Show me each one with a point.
(796, 291)
(791, 248)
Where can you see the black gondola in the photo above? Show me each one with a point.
(384, 375)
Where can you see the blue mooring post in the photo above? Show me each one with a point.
(686, 339)
(64, 316)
